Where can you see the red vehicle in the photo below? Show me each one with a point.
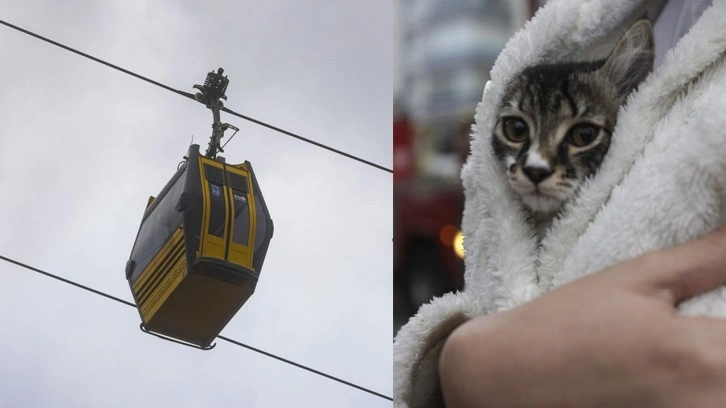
(427, 218)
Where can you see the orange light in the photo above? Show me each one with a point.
(447, 234)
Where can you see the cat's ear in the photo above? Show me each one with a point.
(631, 60)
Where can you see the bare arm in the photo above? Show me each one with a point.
(612, 339)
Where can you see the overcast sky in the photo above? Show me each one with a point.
(82, 147)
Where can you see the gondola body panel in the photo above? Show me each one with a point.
(199, 252)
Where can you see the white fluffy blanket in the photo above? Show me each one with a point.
(663, 182)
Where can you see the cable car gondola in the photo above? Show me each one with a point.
(202, 241)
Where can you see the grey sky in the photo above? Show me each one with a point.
(83, 146)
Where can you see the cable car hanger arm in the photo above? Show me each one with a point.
(210, 94)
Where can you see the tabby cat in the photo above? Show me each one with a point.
(556, 120)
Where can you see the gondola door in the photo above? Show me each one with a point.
(216, 219)
(243, 221)
(229, 213)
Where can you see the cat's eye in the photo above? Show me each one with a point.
(516, 129)
(582, 135)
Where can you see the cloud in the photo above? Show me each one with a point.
(82, 147)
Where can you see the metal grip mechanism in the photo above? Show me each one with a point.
(215, 85)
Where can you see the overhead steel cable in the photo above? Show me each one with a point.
(232, 341)
(191, 96)
(312, 142)
(64, 280)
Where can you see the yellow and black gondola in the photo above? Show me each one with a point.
(199, 250)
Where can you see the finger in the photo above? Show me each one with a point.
(687, 270)
(674, 274)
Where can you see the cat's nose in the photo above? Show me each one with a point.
(537, 174)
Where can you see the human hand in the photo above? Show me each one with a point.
(612, 339)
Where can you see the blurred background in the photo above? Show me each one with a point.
(443, 52)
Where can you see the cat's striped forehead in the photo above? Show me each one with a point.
(550, 94)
